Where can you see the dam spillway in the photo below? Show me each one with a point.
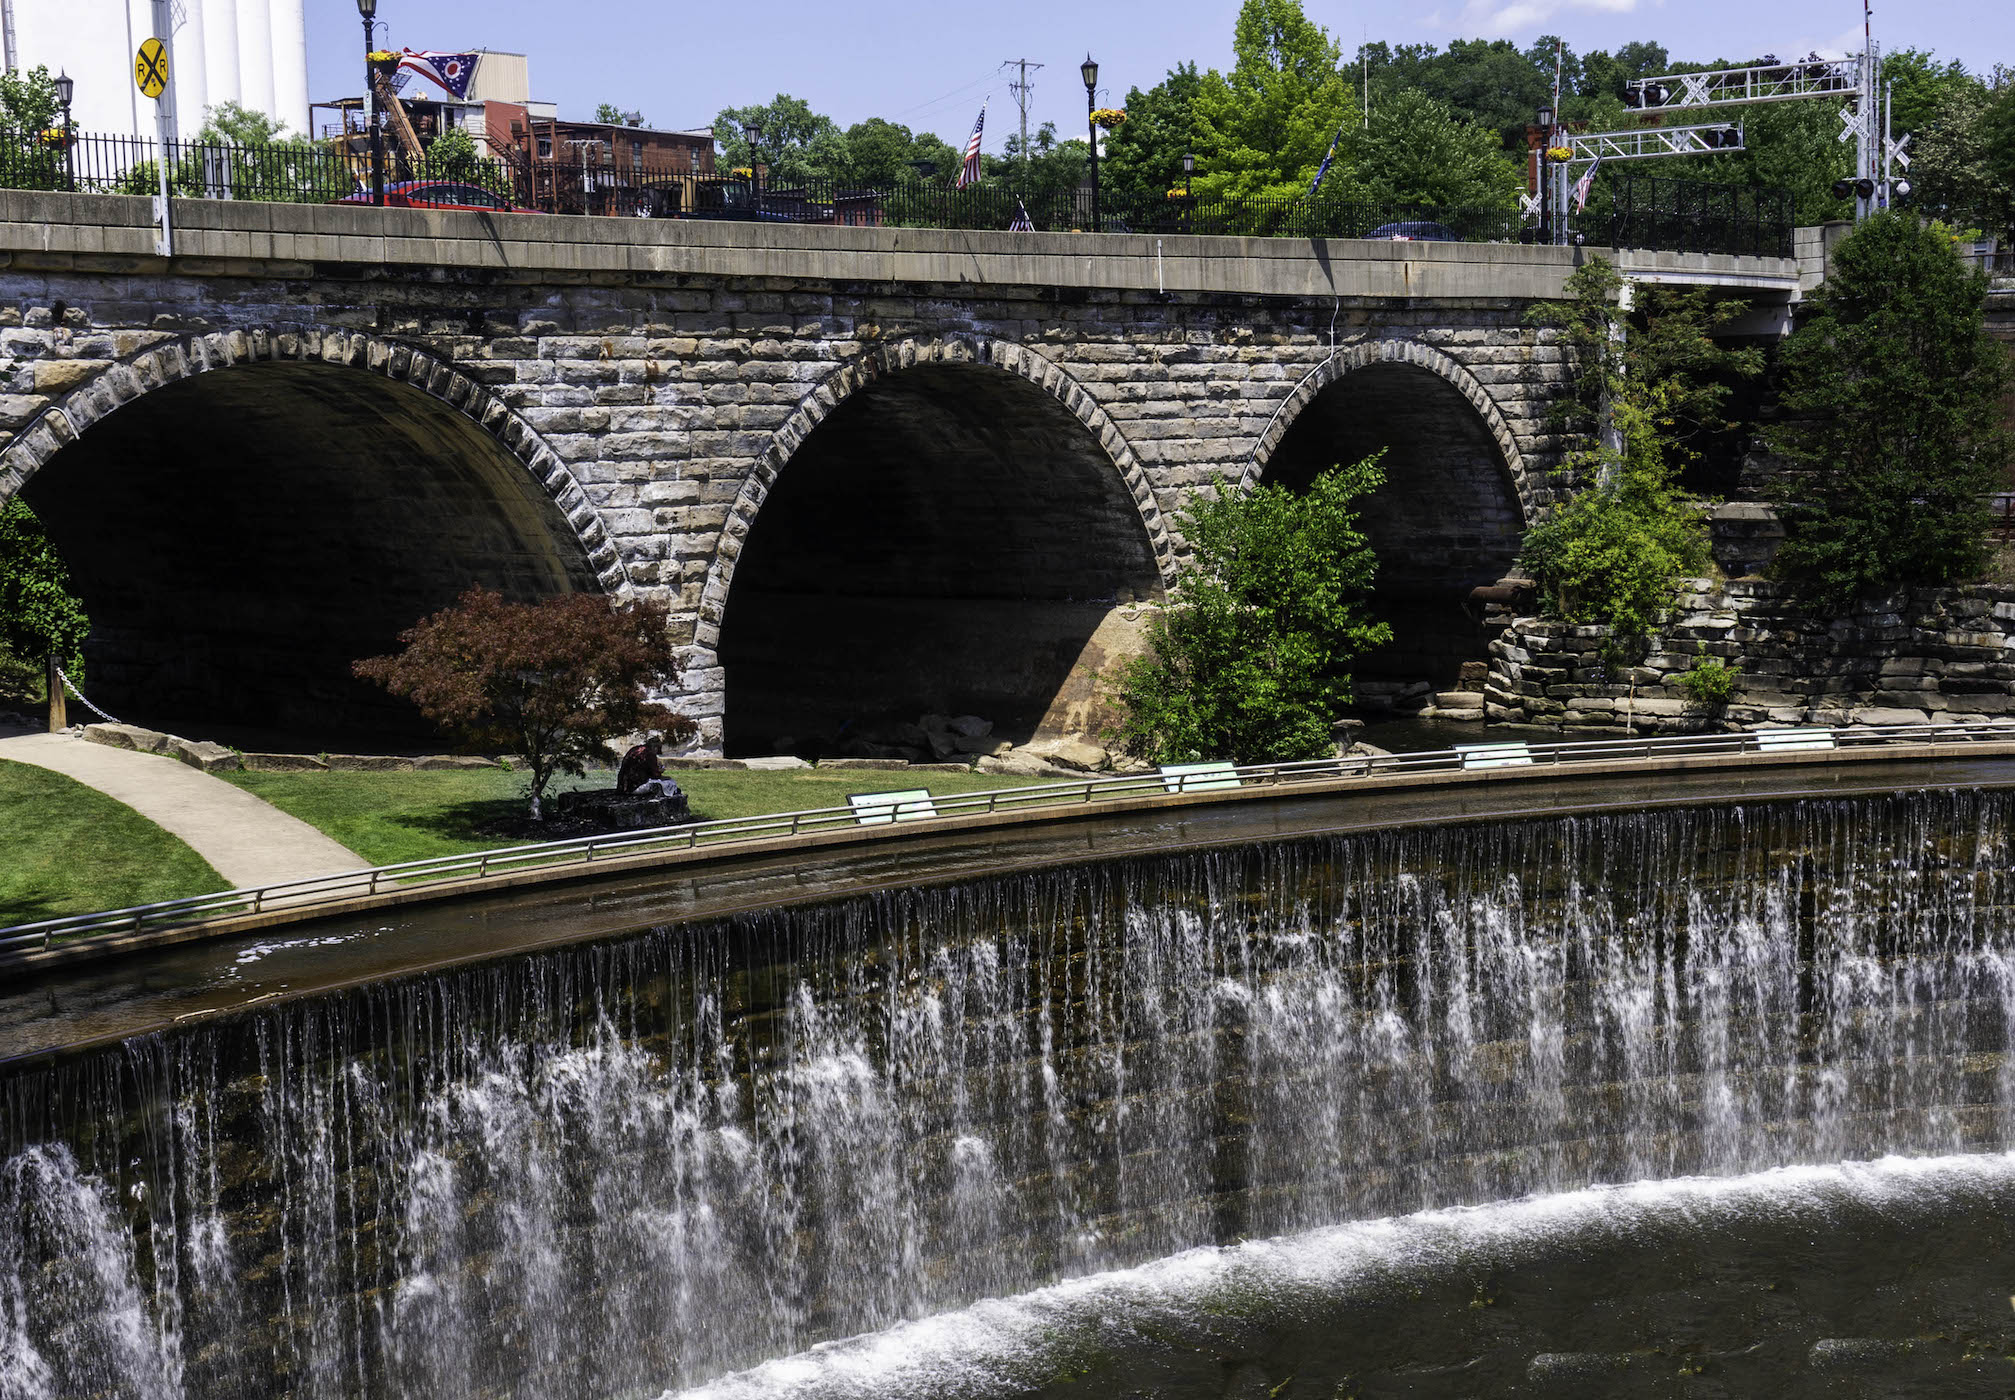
(640, 1164)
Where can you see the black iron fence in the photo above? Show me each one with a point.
(1693, 216)
(1627, 210)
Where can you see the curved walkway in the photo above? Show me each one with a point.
(247, 841)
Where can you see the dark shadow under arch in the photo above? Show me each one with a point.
(1447, 520)
(242, 535)
(949, 539)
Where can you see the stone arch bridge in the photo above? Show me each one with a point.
(873, 472)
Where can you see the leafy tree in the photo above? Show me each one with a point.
(1490, 82)
(880, 153)
(38, 612)
(1262, 130)
(1143, 157)
(1922, 85)
(608, 114)
(31, 151)
(1890, 391)
(1997, 153)
(1248, 661)
(553, 680)
(1949, 172)
(1604, 74)
(1419, 152)
(1053, 166)
(230, 124)
(797, 144)
(1614, 552)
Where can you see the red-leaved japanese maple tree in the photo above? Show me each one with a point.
(553, 680)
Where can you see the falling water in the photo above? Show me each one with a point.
(642, 1164)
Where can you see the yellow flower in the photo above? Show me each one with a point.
(1109, 117)
(1559, 153)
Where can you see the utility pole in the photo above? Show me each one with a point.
(1022, 88)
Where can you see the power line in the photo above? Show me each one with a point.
(959, 91)
(1022, 88)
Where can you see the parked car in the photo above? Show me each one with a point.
(1419, 231)
(440, 194)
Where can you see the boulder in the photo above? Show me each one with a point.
(1077, 755)
(877, 765)
(369, 763)
(451, 762)
(209, 757)
(972, 727)
(129, 736)
(980, 743)
(782, 763)
(283, 763)
(1877, 715)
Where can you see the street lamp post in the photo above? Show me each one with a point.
(66, 88)
(1545, 124)
(1089, 71)
(368, 11)
(1188, 169)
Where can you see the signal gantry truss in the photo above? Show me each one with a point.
(1649, 141)
(1764, 82)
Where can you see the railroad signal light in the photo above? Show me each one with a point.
(1901, 189)
(1865, 188)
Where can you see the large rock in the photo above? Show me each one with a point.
(369, 763)
(1078, 756)
(1877, 715)
(878, 765)
(782, 763)
(211, 758)
(451, 763)
(129, 736)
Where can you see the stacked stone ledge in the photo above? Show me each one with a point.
(1920, 656)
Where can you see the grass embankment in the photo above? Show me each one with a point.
(69, 849)
(388, 818)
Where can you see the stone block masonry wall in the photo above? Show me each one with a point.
(655, 411)
(1934, 655)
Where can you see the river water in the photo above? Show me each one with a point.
(653, 1162)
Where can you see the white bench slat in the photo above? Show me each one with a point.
(1198, 777)
(1791, 740)
(1512, 755)
(883, 808)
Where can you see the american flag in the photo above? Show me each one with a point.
(1022, 222)
(451, 71)
(969, 173)
(1583, 185)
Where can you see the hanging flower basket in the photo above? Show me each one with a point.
(55, 138)
(1109, 117)
(1559, 154)
(383, 62)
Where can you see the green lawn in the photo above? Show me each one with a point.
(391, 817)
(69, 849)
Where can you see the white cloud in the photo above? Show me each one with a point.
(1495, 19)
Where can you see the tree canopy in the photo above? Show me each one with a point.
(1263, 129)
(1417, 151)
(1891, 390)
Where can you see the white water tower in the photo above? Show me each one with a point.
(253, 52)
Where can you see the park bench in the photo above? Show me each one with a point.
(1495, 755)
(1198, 777)
(882, 808)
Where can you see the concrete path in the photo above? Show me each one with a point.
(247, 841)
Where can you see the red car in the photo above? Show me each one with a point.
(440, 194)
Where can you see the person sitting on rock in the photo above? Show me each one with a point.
(640, 766)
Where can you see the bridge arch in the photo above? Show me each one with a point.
(245, 512)
(947, 524)
(1451, 514)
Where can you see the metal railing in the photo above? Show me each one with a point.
(1693, 216)
(727, 833)
(1628, 211)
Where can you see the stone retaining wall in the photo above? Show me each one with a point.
(1931, 655)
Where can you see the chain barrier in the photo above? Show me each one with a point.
(71, 686)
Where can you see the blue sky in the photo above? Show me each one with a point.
(928, 65)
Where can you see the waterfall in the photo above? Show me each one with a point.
(642, 1164)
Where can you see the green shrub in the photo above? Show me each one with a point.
(38, 612)
(1712, 683)
(1249, 659)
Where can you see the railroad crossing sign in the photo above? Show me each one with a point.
(150, 69)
